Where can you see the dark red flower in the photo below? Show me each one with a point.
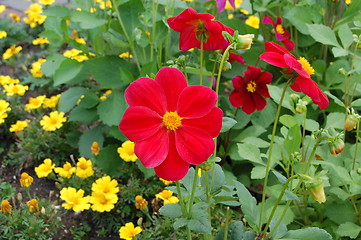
(171, 123)
(250, 90)
(196, 27)
(235, 57)
(281, 33)
(299, 69)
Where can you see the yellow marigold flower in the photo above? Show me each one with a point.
(35, 103)
(95, 148)
(4, 106)
(105, 95)
(105, 185)
(128, 232)
(46, 2)
(2, 8)
(3, 115)
(166, 182)
(167, 197)
(44, 169)
(3, 34)
(66, 171)
(4, 79)
(125, 55)
(34, 9)
(102, 202)
(18, 126)
(71, 53)
(236, 2)
(104, 4)
(53, 121)
(15, 89)
(26, 180)
(36, 68)
(14, 17)
(348, 2)
(34, 20)
(80, 58)
(40, 41)
(126, 151)
(74, 199)
(84, 168)
(80, 40)
(230, 16)
(140, 202)
(11, 51)
(5, 207)
(93, 10)
(245, 12)
(33, 205)
(253, 21)
(51, 102)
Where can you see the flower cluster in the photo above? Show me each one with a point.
(4, 108)
(104, 194)
(11, 51)
(34, 15)
(36, 68)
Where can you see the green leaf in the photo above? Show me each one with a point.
(265, 117)
(87, 20)
(129, 13)
(311, 233)
(256, 141)
(280, 231)
(109, 161)
(345, 35)
(282, 179)
(235, 231)
(340, 213)
(323, 34)
(57, 11)
(339, 52)
(227, 123)
(89, 100)
(70, 97)
(349, 229)
(248, 204)
(293, 140)
(67, 71)
(258, 172)
(148, 172)
(251, 131)
(300, 16)
(112, 109)
(110, 71)
(83, 115)
(290, 195)
(249, 152)
(335, 120)
(87, 138)
(288, 120)
(338, 173)
(51, 64)
(171, 210)
(201, 225)
(181, 222)
(356, 103)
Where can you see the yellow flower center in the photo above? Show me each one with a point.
(279, 29)
(251, 86)
(306, 65)
(172, 121)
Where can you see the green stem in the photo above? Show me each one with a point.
(268, 166)
(308, 163)
(181, 200)
(280, 219)
(115, 6)
(220, 70)
(152, 37)
(356, 145)
(225, 236)
(277, 202)
(201, 65)
(195, 180)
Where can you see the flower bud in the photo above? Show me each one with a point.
(19, 197)
(244, 41)
(351, 121)
(337, 146)
(301, 106)
(293, 99)
(318, 193)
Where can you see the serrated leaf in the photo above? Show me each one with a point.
(227, 123)
(349, 229)
(256, 141)
(51, 64)
(67, 71)
(249, 152)
(323, 34)
(171, 210)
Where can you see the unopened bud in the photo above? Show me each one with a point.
(351, 120)
(337, 146)
(19, 197)
(318, 193)
(244, 41)
(293, 99)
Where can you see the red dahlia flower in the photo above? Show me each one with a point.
(196, 27)
(281, 33)
(250, 90)
(299, 69)
(171, 123)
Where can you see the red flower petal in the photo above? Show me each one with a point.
(249, 105)
(236, 98)
(173, 82)
(211, 123)
(188, 40)
(153, 151)
(173, 168)
(196, 101)
(289, 44)
(139, 123)
(237, 81)
(292, 62)
(274, 58)
(274, 47)
(268, 20)
(216, 40)
(146, 92)
(193, 144)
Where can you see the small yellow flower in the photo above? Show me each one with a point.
(84, 168)
(126, 151)
(167, 197)
(51, 102)
(93, 10)
(253, 21)
(3, 115)
(71, 53)
(15, 89)
(80, 58)
(2, 8)
(105, 185)
(140, 202)
(26, 180)
(40, 41)
(34, 9)
(125, 55)
(36, 68)
(33, 205)
(18, 126)
(80, 40)
(46, 2)
(66, 171)
(237, 3)
(103, 202)
(11, 51)
(35, 103)
(5, 207)
(3, 34)
(95, 148)
(245, 12)
(166, 182)
(348, 2)
(128, 232)
(54, 121)
(44, 169)
(74, 199)
(4, 106)
(14, 17)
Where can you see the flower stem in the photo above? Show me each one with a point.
(220, 69)
(268, 166)
(195, 180)
(225, 236)
(356, 145)
(201, 65)
(181, 200)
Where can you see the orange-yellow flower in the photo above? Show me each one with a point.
(26, 180)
